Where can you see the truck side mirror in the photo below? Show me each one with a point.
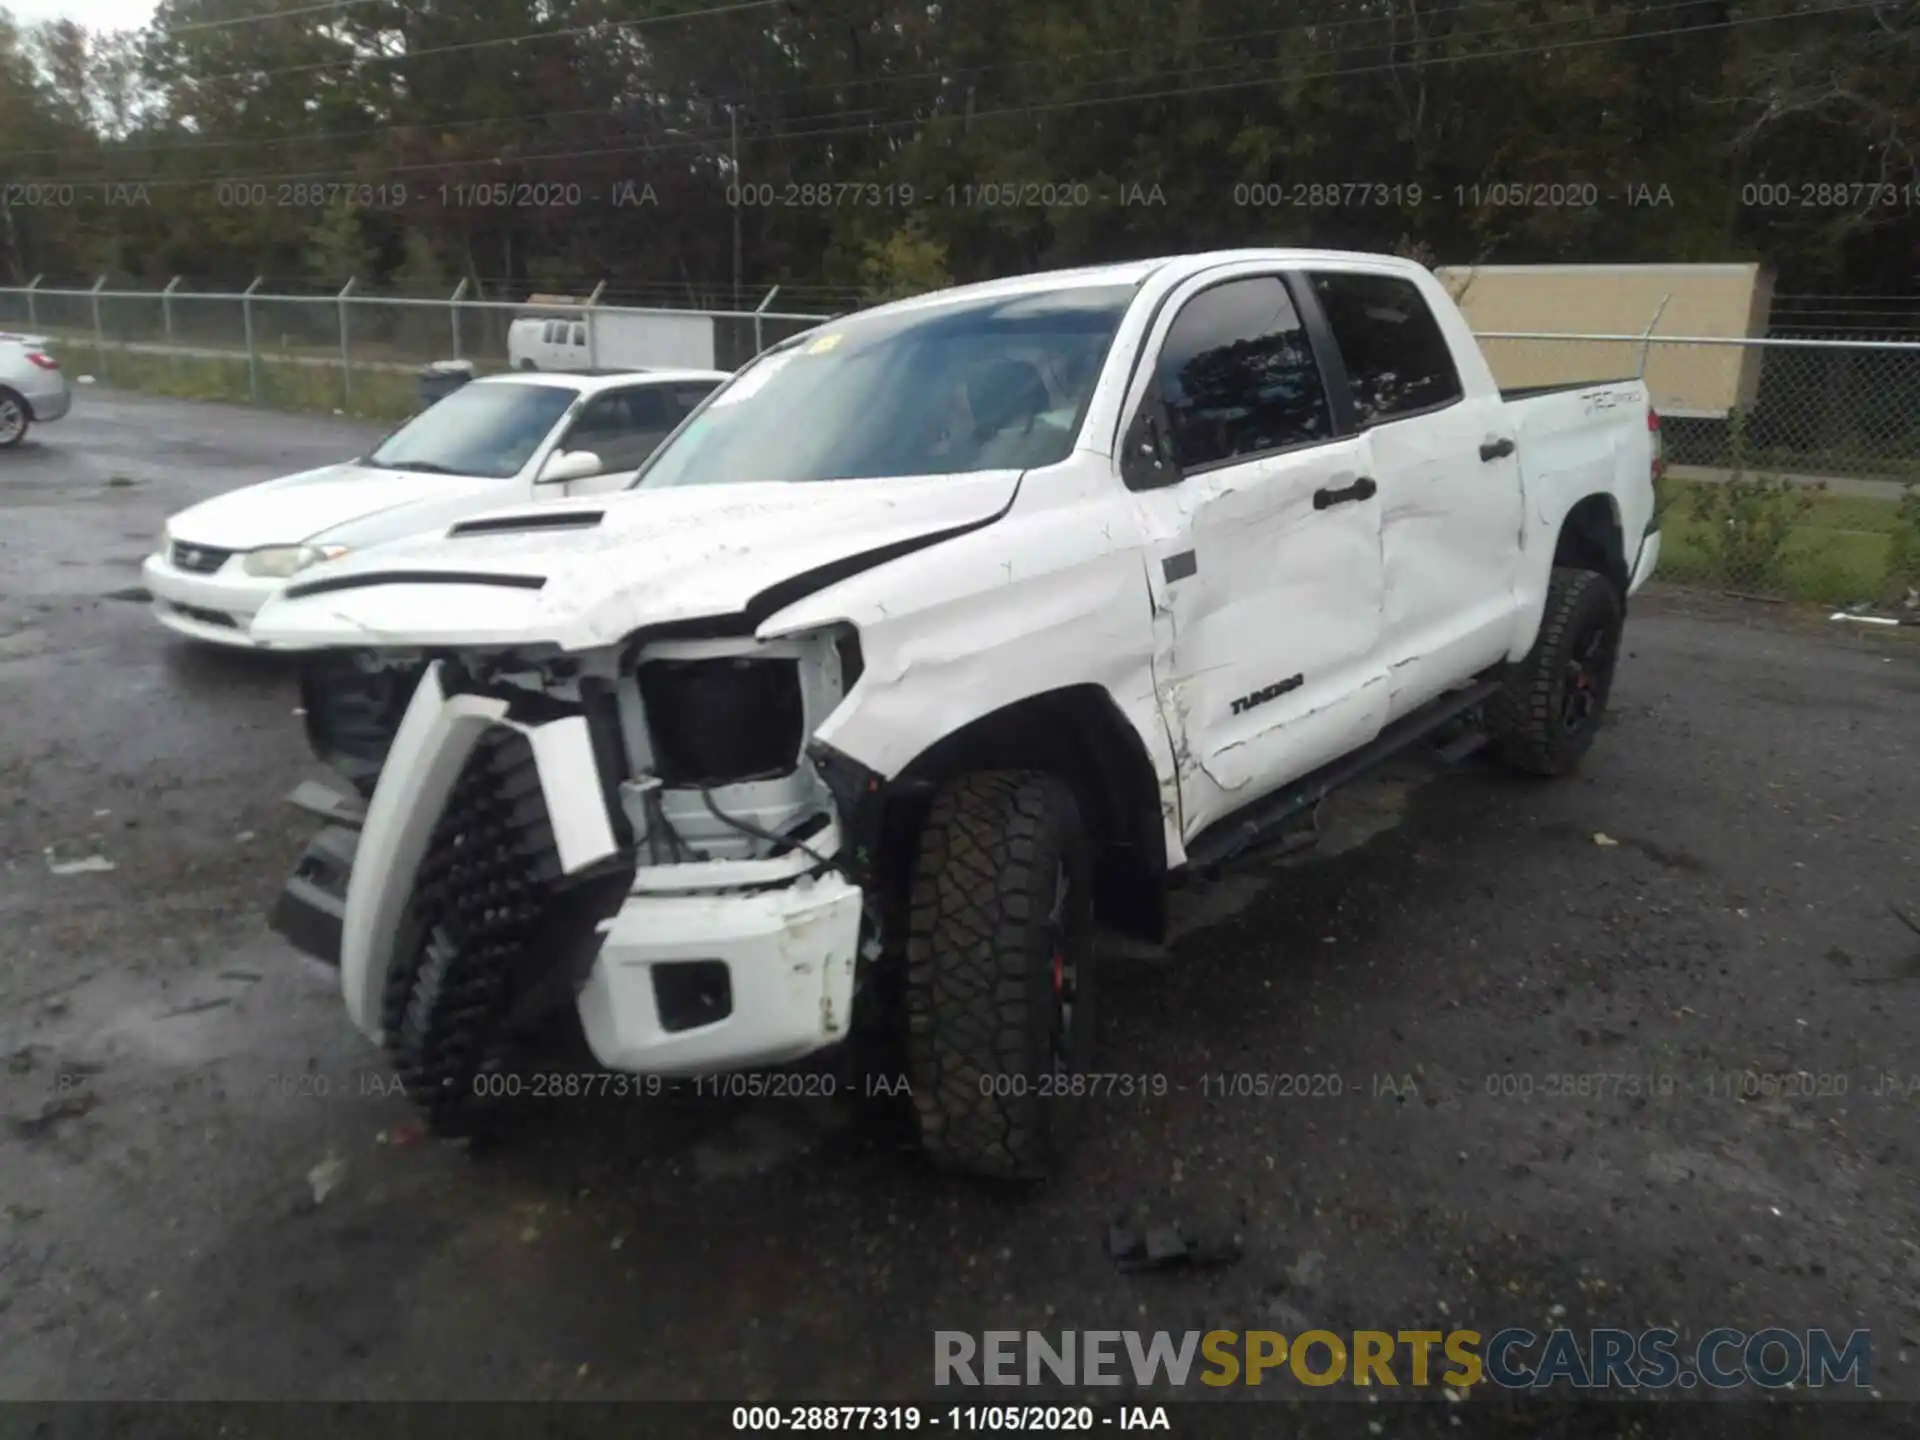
(1146, 452)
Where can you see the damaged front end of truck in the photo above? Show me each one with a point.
(643, 833)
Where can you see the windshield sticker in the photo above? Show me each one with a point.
(825, 343)
(752, 382)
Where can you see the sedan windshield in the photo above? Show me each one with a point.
(990, 384)
(486, 430)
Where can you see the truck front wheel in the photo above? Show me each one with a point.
(998, 993)
(1545, 718)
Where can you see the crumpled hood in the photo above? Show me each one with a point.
(583, 573)
(299, 507)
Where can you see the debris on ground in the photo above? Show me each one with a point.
(1904, 918)
(327, 1177)
(51, 1113)
(195, 1008)
(1604, 840)
(406, 1133)
(1305, 1272)
(90, 865)
(1152, 1236)
(1843, 617)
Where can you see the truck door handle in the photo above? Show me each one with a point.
(1361, 489)
(1491, 450)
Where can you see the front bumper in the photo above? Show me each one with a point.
(217, 608)
(703, 967)
(774, 971)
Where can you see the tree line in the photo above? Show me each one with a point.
(851, 149)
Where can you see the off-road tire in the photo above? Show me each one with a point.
(26, 417)
(988, 1040)
(484, 887)
(1529, 718)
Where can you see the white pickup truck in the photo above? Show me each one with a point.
(935, 636)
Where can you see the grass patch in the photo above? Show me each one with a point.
(280, 384)
(1838, 551)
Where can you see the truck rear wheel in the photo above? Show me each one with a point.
(1545, 718)
(999, 968)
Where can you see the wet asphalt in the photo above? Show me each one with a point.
(207, 1190)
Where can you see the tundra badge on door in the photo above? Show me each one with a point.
(1273, 691)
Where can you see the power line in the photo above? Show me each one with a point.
(255, 18)
(1043, 107)
(257, 73)
(1335, 27)
(943, 73)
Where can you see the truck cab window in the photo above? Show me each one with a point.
(1238, 377)
(1397, 360)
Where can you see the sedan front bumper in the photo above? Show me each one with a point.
(218, 608)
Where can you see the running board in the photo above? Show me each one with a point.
(1261, 822)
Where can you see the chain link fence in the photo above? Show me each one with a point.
(351, 352)
(1792, 464)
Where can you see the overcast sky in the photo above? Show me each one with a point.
(98, 14)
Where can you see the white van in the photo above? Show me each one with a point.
(537, 343)
(622, 339)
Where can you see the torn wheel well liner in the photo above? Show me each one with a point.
(1079, 734)
(1590, 539)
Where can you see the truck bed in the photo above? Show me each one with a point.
(1529, 392)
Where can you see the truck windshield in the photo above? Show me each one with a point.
(990, 384)
(488, 430)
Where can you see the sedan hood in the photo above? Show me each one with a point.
(580, 574)
(300, 507)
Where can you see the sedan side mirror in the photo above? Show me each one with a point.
(565, 465)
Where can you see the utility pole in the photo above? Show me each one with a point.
(733, 152)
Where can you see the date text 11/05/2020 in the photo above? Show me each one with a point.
(802, 1084)
(1596, 1087)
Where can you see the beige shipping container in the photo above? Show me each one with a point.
(1701, 381)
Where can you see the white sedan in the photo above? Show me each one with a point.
(32, 388)
(501, 440)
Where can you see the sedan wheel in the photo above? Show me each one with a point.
(13, 420)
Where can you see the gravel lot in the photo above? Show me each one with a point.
(166, 1132)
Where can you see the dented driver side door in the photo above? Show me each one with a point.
(1263, 548)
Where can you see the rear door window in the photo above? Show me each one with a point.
(1397, 359)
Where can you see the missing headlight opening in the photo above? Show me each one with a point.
(721, 720)
(715, 731)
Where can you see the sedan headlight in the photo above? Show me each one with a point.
(280, 561)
